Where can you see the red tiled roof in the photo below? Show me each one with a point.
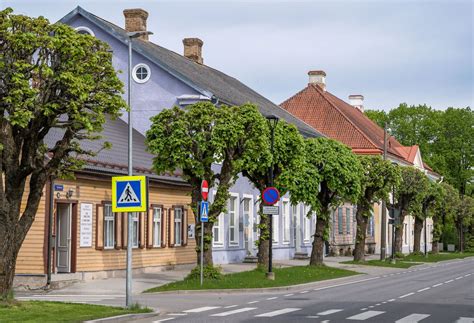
(341, 121)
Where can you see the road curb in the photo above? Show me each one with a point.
(253, 290)
(126, 317)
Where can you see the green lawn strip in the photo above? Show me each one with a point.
(40, 311)
(438, 257)
(381, 263)
(256, 279)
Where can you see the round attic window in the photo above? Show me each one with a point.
(141, 73)
(84, 30)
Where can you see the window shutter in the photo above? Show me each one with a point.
(124, 230)
(118, 230)
(184, 222)
(141, 230)
(164, 222)
(99, 227)
(149, 231)
(171, 238)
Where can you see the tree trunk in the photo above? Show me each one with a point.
(9, 248)
(418, 229)
(318, 243)
(436, 237)
(359, 249)
(195, 198)
(399, 234)
(263, 239)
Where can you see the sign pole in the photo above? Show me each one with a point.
(204, 195)
(202, 252)
(130, 173)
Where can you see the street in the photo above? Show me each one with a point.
(442, 292)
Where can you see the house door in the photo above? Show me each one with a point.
(63, 238)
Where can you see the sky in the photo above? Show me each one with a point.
(417, 52)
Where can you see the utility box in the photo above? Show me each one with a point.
(451, 247)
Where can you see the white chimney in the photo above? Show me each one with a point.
(357, 101)
(318, 78)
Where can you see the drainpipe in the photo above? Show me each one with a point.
(50, 229)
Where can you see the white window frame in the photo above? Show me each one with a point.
(157, 223)
(306, 225)
(86, 29)
(276, 228)
(250, 217)
(109, 222)
(134, 73)
(340, 219)
(219, 227)
(135, 229)
(285, 211)
(234, 215)
(405, 234)
(348, 220)
(178, 226)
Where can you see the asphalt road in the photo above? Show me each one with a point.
(442, 292)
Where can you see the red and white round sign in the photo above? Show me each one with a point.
(204, 190)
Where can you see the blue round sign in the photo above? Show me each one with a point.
(270, 195)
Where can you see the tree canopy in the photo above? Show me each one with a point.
(52, 79)
(209, 142)
(330, 177)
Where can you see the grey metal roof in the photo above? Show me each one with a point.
(202, 78)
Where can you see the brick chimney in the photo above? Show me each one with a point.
(135, 20)
(318, 78)
(193, 49)
(357, 101)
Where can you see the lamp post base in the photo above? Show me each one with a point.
(270, 276)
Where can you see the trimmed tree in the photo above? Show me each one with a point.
(377, 178)
(51, 79)
(211, 143)
(330, 176)
(409, 197)
(444, 213)
(287, 160)
(463, 220)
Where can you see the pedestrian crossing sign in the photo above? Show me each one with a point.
(129, 194)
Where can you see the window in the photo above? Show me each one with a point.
(217, 231)
(141, 73)
(135, 228)
(370, 226)
(348, 220)
(178, 228)
(307, 225)
(405, 233)
(84, 30)
(109, 226)
(286, 221)
(339, 221)
(276, 229)
(233, 221)
(157, 216)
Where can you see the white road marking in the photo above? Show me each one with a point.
(364, 309)
(230, 306)
(377, 304)
(364, 316)
(304, 292)
(328, 312)
(278, 312)
(312, 317)
(371, 306)
(253, 302)
(201, 309)
(349, 283)
(391, 300)
(413, 318)
(449, 281)
(457, 278)
(465, 320)
(384, 276)
(384, 302)
(325, 321)
(437, 285)
(288, 295)
(467, 275)
(423, 289)
(406, 295)
(240, 310)
(177, 314)
(271, 298)
(171, 318)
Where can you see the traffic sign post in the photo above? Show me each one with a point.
(270, 195)
(129, 194)
(204, 217)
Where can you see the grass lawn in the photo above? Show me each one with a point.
(39, 311)
(438, 257)
(381, 263)
(256, 279)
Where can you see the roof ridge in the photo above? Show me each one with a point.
(343, 114)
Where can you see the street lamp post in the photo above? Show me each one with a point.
(393, 224)
(131, 35)
(272, 122)
(383, 229)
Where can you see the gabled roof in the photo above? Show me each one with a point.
(341, 121)
(208, 81)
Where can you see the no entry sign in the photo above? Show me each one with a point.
(270, 195)
(204, 190)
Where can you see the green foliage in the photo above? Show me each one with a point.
(380, 117)
(399, 255)
(209, 272)
(411, 191)
(377, 179)
(330, 176)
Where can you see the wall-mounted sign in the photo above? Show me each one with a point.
(86, 225)
(59, 187)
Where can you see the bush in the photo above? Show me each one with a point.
(399, 255)
(210, 272)
(417, 253)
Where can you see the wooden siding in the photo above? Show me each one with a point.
(96, 191)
